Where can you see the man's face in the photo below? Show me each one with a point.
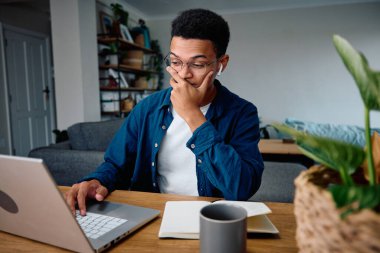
(198, 58)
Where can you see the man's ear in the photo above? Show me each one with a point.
(224, 61)
(220, 70)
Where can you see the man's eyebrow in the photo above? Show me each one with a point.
(193, 57)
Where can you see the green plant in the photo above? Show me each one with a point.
(113, 48)
(120, 14)
(345, 157)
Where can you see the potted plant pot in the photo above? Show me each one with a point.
(320, 227)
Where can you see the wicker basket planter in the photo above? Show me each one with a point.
(319, 226)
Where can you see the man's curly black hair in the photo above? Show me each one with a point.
(202, 24)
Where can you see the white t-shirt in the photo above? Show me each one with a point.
(176, 163)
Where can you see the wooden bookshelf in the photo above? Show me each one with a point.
(124, 44)
(105, 88)
(126, 68)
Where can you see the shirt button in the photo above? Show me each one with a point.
(152, 164)
(163, 127)
(199, 161)
(155, 145)
(192, 145)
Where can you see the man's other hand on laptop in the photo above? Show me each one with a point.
(81, 191)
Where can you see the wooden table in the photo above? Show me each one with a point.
(279, 151)
(146, 239)
(278, 146)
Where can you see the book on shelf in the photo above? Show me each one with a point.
(122, 82)
(181, 218)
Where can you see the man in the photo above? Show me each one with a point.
(195, 138)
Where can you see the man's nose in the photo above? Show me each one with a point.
(185, 72)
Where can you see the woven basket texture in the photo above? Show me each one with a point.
(319, 226)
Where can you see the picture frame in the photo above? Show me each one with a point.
(125, 34)
(106, 23)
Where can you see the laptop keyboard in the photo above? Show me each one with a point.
(95, 225)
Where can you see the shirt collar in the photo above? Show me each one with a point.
(166, 102)
(217, 106)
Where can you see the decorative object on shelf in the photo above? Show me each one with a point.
(116, 76)
(139, 39)
(142, 33)
(112, 55)
(112, 82)
(337, 205)
(145, 31)
(106, 23)
(120, 17)
(141, 82)
(120, 14)
(110, 106)
(125, 33)
(127, 104)
(133, 58)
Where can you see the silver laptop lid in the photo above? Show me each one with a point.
(31, 206)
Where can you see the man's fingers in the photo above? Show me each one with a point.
(171, 71)
(173, 83)
(70, 199)
(80, 192)
(101, 193)
(206, 80)
(175, 77)
(81, 197)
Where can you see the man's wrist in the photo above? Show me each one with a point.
(195, 120)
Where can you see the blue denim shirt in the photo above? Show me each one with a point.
(228, 161)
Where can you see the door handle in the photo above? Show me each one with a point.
(47, 92)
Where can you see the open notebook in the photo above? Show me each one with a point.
(181, 218)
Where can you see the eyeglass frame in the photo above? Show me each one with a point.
(205, 65)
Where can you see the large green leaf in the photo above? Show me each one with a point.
(367, 80)
(355, 198)
(329, 152)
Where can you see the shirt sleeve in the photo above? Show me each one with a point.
(235, 168)
(121, 151)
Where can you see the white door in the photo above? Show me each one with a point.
(30, 91)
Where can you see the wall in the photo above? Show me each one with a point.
(285, 63)
(75, 61)
(32, 21)
(89, 60)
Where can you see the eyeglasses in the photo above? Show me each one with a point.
(195, 66)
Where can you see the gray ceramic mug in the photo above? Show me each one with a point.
(223, 229)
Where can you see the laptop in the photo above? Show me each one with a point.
(32, 206)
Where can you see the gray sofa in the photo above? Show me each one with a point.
(69, 161)
(277, 183)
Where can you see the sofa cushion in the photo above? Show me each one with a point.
(347, 133)
(93, 135)
(68, 166)
(277, 183)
